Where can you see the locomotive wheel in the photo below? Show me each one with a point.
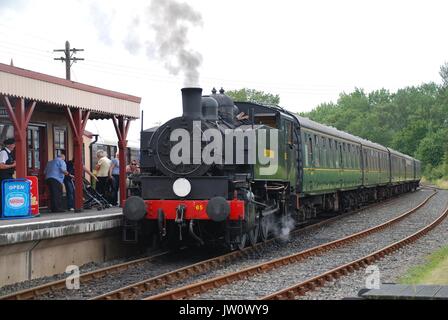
(243, 240)
(253, 235)
(264, 228)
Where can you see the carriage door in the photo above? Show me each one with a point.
(36, 157)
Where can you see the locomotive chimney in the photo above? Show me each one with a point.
(192, 103)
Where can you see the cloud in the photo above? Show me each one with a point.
(13, 5)
(102, 20)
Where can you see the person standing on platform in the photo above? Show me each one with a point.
(102, 173)
(114, 175)
(7, 165)
(132, 168)
(55, 171)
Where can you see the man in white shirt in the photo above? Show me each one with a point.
(102, 173)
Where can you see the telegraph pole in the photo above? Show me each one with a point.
(68, 59)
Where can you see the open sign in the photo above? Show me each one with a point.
(16, 198)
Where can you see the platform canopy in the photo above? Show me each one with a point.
(54, 92)
(22, 91)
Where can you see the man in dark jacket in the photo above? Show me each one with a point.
(7, 165)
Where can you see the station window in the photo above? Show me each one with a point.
(6, 131)
(33, 147)
(60, 141)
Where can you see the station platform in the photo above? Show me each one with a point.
(406, 292)
(48, 244)
(55, 225)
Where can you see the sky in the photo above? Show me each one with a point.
(308, 52)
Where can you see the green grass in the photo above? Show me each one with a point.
(432, 272)
(441, 183)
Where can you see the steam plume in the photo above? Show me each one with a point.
(170, 21)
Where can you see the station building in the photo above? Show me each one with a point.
(47, 115)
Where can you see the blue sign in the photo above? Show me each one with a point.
(16, 198)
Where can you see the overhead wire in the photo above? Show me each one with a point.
(148, 73)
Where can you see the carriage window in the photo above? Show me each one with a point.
(330, 153)
(366, 160)
(316, 151)
(324, 152)
(350, 157)
(377, 160)
(306, 150)
(335, 154)
(353, 157)
(289, 132)
(380, 161)
(341, 156)
(359, 157)
(311, 153)
(374, 159)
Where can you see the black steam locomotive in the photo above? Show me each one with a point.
(237, 172)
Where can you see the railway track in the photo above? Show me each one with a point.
(48, 288)
(316, 282)
(136, 289)
(133, 290)
(198, 288)
(34, 292)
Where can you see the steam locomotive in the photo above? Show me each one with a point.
(236, 172)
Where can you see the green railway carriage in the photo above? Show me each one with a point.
(398, 166)
(376, 169)
(331, 158)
